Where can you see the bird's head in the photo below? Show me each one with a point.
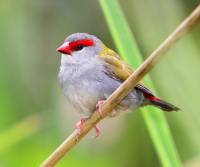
(81, 45)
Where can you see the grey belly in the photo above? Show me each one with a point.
(85, 94)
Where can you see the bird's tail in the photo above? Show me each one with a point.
(163, 105)
(151, 99)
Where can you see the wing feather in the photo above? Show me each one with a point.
(120, 70)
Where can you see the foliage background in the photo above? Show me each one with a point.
(34, 115)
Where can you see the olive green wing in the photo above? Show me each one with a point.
(120, 70)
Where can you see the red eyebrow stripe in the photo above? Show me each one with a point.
(85, 42)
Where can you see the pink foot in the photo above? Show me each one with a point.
(79, 125)
(97, 130)
(99, 106)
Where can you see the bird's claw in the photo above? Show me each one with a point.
(97, 130)
(99, 106)
(79, 127)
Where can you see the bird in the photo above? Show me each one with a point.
(90, 72)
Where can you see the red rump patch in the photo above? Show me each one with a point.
(150, 97)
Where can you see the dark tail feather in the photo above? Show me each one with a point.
(163, 105)
(155, 101)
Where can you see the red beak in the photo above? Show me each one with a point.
(64, 48)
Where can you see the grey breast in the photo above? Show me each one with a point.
(82, 84)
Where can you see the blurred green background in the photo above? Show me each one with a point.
(34, 114)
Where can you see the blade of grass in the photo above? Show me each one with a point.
(155, 120)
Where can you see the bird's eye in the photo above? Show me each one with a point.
(79, 47)
(80, 44)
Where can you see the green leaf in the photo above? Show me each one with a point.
(154, 118)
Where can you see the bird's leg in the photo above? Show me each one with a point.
(100, 111)
(79, 127)
(97, 130)
(99, 106)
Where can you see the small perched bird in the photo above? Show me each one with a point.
(90, 72)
